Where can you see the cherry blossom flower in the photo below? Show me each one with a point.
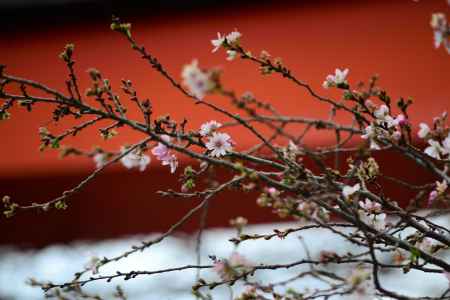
(370, 133)
(423, 131)
(100, 159)
(382, 115)
(233, 37)
(338, 78)
(434, 150)
(347, 190)
(209, 127)
(217, 43)
(163, 153)
(219, 144)
(170, 161)
(370, 206)
(135, 159)
(198, 82)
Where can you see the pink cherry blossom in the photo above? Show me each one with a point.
(219, 144)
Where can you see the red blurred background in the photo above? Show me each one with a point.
(389, 38)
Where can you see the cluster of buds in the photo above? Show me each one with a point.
(384, 127)
(10, 207)
(188, 179)
(268, 197)
(268, 67)
(47, 139)
(367, 170)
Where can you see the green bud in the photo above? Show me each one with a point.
(61, 204)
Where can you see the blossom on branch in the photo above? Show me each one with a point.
(100, 159)
(231, 39)
(370, 133)
(209, 127)
(135, 159)
(423, 131)
(348, 191)
(219, 144)
(339, 79)
(198, 82)
(217, 43)
(370, 206)
(434, 149)
(163, 153)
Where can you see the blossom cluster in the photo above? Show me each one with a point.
(384, 127)
(219, 143)
(369, 212)
(339, 79)
(230, 40)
